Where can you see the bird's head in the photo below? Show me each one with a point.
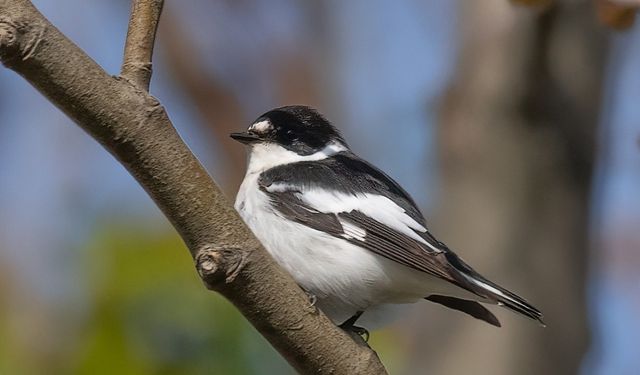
(299, 129)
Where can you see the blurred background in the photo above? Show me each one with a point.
(515, 128)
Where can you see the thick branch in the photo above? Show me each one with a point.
(141, 35)
(134, 127)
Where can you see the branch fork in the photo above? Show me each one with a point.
(141, 34)
(129, 123)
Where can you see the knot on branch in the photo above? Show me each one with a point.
(219, 264)
(18, 40)
(8, 39)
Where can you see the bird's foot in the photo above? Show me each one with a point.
(360, 331)
(312, 297)
(349, 326)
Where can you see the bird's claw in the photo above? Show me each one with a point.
(361, 331)
(312, 298)
(348, 325)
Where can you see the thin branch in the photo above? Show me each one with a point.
(141, 35)
(134, 127)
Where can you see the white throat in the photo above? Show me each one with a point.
(264, 156)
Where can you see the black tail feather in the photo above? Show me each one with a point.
(505, 298)
(477, 284)
(516, 303)
(472, 308)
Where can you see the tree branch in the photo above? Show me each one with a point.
(141, 35)
(134, 128)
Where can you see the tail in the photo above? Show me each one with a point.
(493, 292)
(506, 298)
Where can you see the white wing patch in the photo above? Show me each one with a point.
(377, 207)
(279, 187)
(352, 231)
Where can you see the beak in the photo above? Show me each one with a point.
(245, 137)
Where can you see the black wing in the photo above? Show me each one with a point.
(407, 242)
(345, 173)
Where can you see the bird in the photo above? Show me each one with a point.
(348, 234)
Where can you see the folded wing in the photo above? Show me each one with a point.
(350, 199)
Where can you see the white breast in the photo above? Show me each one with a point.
(319, 262)
(345, 278)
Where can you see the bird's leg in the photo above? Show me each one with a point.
(351, 321)
(349, 325)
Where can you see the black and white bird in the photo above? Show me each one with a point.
(348, 233)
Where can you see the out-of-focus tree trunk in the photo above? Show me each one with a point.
(220, 111)
(295, 80)
(516, 141)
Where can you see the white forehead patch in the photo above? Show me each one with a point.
(261, 127)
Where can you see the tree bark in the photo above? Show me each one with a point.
(141, 35)
(516, 142)
(134, 127)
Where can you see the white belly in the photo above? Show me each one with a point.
(345, 278)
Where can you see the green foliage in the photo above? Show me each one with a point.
(146, 312)
(151, 314)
